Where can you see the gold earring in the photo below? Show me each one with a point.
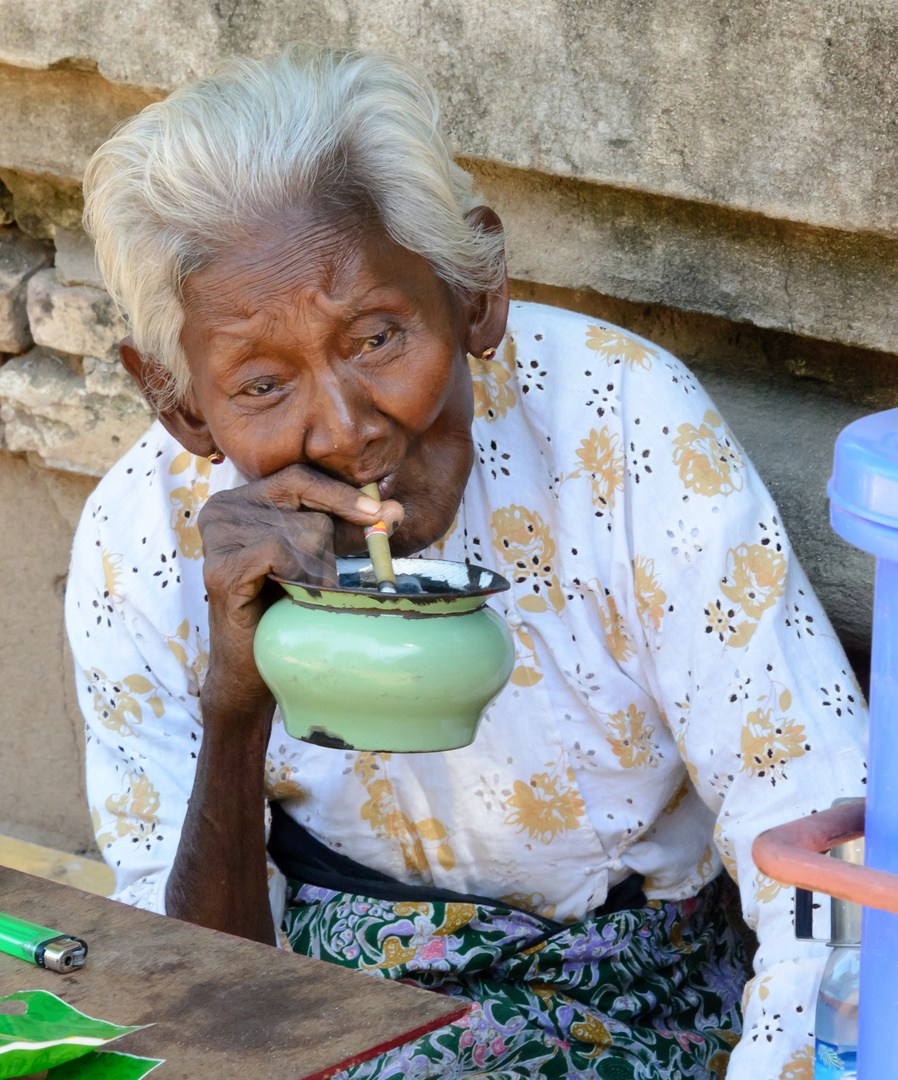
(488, 354)
(217, 457)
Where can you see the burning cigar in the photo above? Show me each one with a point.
(379, 548)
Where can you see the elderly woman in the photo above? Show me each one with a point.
(316, 302)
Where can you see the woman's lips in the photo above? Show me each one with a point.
(386, 486)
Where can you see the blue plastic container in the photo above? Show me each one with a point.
(863, 496)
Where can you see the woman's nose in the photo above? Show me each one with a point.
(342, 425)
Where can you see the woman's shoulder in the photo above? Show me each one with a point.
(151, 498)
(580, 409)
(560, 329)
(564, 368)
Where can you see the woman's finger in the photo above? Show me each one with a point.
(300, 488)
(240, 564)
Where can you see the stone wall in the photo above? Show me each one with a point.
(717, 175)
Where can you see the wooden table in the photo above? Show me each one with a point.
(221, 1006)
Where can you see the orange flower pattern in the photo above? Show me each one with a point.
(188, 501)
(616, 347)
(631, 739)
(602, 460)
(112, 573)
(650, 597)
(709, 460)
(546, 806)
(534, 902)
(771, 740)
(383, 815)
(522, 540)
(493, 396)
(620, 644)
(119, 704)
(526, 670)
(755, 579)
(726, 851)
(282, 779)
(800, 1065)
(769, 743)
(134, 812)
(191, 650)
(766, 889)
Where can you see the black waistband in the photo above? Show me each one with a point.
(300, 856)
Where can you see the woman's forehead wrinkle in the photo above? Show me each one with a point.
(296, 286)
(314, 278)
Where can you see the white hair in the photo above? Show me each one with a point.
(195, 172)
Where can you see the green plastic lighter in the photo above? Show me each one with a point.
(40, 945)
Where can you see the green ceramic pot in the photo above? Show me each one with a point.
(360, 670)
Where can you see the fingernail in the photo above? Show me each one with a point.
(367, 505)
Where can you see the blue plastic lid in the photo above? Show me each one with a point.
(863, 489)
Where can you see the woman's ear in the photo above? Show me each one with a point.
(487, 312)
(182, 420)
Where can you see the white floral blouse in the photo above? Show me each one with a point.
(678, 688)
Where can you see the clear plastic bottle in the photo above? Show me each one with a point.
(836, 1027)
(835, 1056)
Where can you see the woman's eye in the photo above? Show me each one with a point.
(261, 388)
(376, 341)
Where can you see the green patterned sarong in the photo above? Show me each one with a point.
(644, 994)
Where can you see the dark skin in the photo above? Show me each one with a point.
(322, 357)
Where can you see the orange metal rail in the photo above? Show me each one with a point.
(790, 854)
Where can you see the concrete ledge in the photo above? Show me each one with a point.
(40, 722)
(822, 283)
(779, 107)
(41, 204)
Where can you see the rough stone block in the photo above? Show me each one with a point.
(74, 318)
(54, 120)
(76, 263)
(40, 204)
(82, 423)
(20, 257)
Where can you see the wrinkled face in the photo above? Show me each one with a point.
(323, 343)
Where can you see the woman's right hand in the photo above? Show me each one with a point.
(292, 524)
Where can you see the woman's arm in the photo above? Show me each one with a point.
(220, 873)
(176, 716)
(269, 526)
